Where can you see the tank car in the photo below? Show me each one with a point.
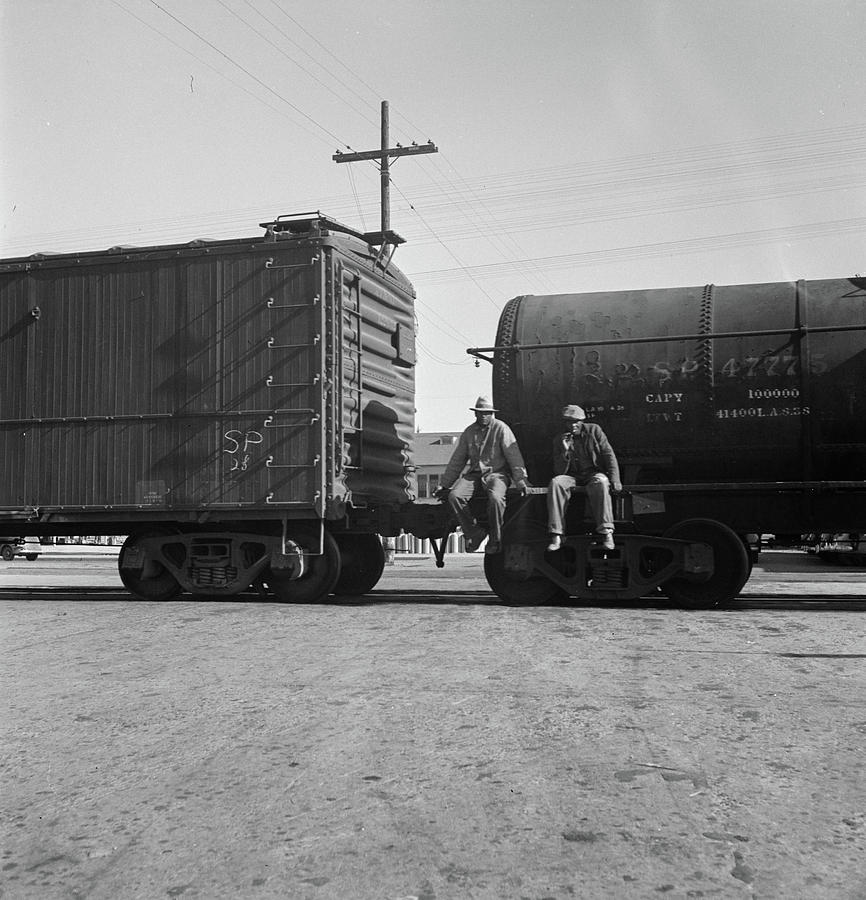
(242, 409)
(732, 410)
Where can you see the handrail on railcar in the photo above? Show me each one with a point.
(797, 331)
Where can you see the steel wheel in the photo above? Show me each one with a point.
(321, 572)
(362, 561)
(730, 569)
(534, 591)
(143, 575)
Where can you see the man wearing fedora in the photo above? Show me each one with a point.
(582, 457)
(486, 459)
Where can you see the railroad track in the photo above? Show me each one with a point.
(756, 599)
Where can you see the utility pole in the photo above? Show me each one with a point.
(385, 235)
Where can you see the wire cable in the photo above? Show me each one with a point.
(664, 248)
(213, 68)
(355, 194)
(247, 72)
(279, 50)
(450, 252)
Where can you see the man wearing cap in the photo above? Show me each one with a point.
(582, 457)
(486, 458)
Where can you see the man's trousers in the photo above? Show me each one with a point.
(562, 489)
(464, 489)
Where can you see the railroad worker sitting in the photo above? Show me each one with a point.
(582, 457)
(486, 458)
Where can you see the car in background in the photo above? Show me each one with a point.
(28, 547)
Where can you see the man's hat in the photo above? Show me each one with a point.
(483, 404)
(573, 412)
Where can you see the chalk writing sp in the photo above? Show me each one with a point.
(239, 446)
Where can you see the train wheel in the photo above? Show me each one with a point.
(730, 564)
(321, 573)
(533, 591)
(362, 561)
(142, 575)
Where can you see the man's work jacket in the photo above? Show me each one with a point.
(597, 448)
(495, 451)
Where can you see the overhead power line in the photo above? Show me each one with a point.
(282, 52)
(463, 268)
(257, 97)
(328, 69)
(450, 212)
(249, 74)
(640, 251)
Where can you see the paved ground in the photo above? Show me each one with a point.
(428, 743)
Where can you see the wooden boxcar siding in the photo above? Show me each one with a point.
(16, 330)
(377, 420)
(154, 381)
(243, 377)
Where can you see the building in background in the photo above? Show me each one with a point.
(431, 452)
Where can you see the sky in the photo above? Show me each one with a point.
(583, 145)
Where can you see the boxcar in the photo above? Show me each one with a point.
(242, 409)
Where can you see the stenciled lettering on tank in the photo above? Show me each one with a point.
(763, 385)
(671, 397)
(593, 410)
(628, 374)
(771, 364)
(592, 369)
(667, 403)
(661, 418)
(761, 412)
(786, 393)
(762, 403)
(665, 407)
(686, 368)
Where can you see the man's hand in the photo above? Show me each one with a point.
(522, 487)
(615, 487)
(442, 493)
